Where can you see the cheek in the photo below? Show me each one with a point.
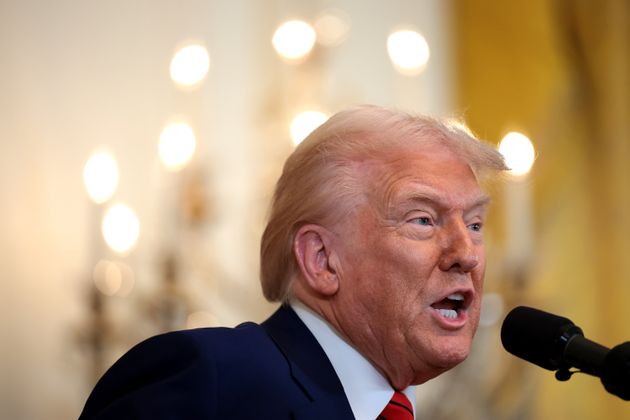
(387, 279)
(387, 270)
(404, 272)
(478, 276)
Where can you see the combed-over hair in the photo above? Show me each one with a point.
(318, 183)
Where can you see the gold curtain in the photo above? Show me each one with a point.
(559, 70)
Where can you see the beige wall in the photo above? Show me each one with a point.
(78, 74)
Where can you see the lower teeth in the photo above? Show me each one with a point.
(448, 313)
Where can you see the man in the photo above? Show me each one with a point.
(374, 245)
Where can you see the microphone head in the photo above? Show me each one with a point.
(537, 336)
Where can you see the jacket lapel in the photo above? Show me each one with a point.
(310, 367)
(331, 408)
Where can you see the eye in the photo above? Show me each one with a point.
(475, 227)
(422, 221)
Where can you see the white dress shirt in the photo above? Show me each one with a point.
(367, 390)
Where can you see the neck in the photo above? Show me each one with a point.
(399, 376)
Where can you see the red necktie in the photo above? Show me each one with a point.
(398, 408)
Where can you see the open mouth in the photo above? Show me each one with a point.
(452, 306)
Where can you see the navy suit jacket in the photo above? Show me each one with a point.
(276, 370)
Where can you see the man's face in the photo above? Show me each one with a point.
(411, 265)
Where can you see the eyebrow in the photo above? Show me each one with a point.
(431, 197)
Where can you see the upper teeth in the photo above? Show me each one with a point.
(456, 296)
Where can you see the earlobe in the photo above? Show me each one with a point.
(312, 249)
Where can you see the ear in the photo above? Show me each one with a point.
(312, 248)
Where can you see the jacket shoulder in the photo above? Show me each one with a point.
(170, 371)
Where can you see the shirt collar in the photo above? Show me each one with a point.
(367, 390)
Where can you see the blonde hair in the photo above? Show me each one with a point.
(318, 183)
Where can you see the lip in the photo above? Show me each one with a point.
(462, 312)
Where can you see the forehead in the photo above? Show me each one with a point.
(436, 175)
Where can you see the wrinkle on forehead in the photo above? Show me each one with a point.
(448, 181)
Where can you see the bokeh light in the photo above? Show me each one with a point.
(294, 39)
(304, 124)
(107, 277)
(177, 145)
(519, 153)
(100, 176)
(121, 228)
(113, 278)
(408, 51)
(190, 65)
(332, 28)
(492, 309)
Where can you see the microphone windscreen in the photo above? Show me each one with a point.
(537, 336)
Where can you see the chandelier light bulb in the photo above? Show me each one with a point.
(294, 39)
(177, 145)
(121, 228)
(519, 153)
(100, 176)
(304, 123)
(190, 65)
(409, 51)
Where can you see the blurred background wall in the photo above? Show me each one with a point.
(191, 141)
(560, 72)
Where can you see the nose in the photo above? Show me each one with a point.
(459, 253)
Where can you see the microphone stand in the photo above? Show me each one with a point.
(614, 371)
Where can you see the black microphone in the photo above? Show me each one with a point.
(555, 343)
(550, 341)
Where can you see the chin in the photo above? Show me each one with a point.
(439, 360)
(451, 353)
(453, 358)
